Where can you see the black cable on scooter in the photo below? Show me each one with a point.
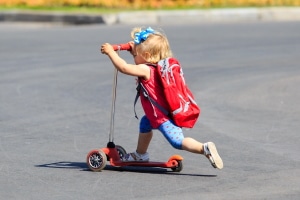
(111, 144)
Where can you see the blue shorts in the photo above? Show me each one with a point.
(171, 132)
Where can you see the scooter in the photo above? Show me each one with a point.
(97, 158)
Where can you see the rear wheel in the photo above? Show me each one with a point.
(179, 167)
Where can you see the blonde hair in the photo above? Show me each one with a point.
(156, 45)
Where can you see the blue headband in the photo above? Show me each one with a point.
(143, 35)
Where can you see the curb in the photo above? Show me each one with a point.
(159, 17)
(213, 15)
(75, 19)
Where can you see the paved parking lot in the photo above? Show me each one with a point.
(55, 94)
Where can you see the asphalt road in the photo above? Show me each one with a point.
(55, 94)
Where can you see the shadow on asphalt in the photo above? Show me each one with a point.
(83, 167)
(66, 165)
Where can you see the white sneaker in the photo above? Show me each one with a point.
(210, 151)
(136, 157)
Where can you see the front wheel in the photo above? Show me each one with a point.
(121, 151)
(96, 160)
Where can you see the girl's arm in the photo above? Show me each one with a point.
(140, 70)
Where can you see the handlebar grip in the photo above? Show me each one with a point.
(122, 47)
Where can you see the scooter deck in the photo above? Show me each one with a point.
(115, 160)
(171, 163)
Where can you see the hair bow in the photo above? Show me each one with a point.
(143, 35)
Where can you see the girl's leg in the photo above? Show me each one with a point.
(145, 135)
(143, 142)
(176, 138)
(172, 133)
(208, 149)
(192, 145)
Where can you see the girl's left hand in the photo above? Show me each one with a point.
(131, 43)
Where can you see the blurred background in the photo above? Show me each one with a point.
(149, 4)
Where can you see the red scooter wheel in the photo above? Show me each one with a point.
(179, 167)
(96, 160)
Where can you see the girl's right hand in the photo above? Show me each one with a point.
(106, 48)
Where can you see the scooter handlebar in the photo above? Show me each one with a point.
(122, 47)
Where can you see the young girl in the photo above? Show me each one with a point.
(149, 47)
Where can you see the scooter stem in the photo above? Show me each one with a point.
(111, 144)
(112, 114)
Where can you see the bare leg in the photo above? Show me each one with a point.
(192, 145)
(143, 142)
